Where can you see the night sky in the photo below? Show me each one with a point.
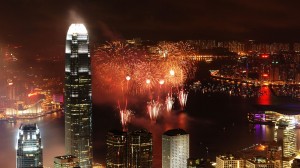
(41, 25)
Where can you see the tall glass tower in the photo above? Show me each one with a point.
(140, 149)
(78, 96)
(116, 156)
(29, 147)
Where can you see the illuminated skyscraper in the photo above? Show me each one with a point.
(132, 150)
(116, 156)
(140, 149)
(78, 96)
(285, 135)
(175, 149)
(29, 147)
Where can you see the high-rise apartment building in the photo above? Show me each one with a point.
(175, 149)
(285, 135)
(116, 156)
(78, 96)
(139, 149)
(67, 161)
(229, 161)
(29, 147)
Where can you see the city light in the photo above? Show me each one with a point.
(172, 72)
(265, 75)
(161, 82)
(265, 55)
(77, 28)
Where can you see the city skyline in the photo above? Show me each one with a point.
(195, 79)
(128, 81)
(153, 20)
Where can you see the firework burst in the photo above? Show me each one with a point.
(182, 97)
(125, 115)
(169, 103)
(125, 118)
(114, 62)
(153, 109)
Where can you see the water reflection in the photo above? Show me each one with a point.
(263, 133)
(265, 98)
(204, 121)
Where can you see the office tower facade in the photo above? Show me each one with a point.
(78, 96)
(175, 148)
(116, 156)
(229, 161)
(66, 161)
(140, 149)
(29, 147)
(285, 135)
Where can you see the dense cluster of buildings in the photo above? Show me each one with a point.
(124, 150)
(281, 153)
(134, 149)
(270, 62)
(25, 90)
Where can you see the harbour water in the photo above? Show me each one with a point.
(216, 124)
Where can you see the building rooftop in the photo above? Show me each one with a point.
(228, 157)
(116, 132)
(175, 132)
(141, 132)
(77, 28)
(28, 127)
